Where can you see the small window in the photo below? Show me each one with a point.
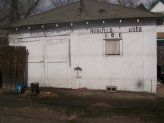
(112, 47)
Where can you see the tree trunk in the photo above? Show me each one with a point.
(14, 11)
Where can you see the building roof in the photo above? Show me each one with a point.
(155, 3)
(95, 10)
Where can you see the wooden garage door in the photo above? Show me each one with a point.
(57, 58)
(36, 67)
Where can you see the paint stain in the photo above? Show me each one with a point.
(139, 84)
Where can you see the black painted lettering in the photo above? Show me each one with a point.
(137, 29)
(120, 35)
(134, 29)
(91, 31)
(101, 30)
(140, 29)
(111, 30)
(94, 31)
(112, 34)
(104, 31)
(108, 31)
(106, 35)
(130, 29)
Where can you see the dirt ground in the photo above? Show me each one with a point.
(81, 106)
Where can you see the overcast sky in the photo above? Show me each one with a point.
(47, 4)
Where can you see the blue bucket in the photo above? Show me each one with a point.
(20, 87)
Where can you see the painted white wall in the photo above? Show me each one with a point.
(51, 65)
(160, 28)
(159, 8)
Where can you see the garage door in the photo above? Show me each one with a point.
(36, 72)
(48, 61)
(57, 59)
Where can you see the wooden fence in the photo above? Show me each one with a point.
(160, 52)
(3, 38)
(13, 65)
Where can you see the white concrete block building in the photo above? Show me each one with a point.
(95, 47)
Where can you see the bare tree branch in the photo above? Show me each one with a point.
(14, 11)
(31, 8)
(17, 9)
(57, 3)
(128, 3)
(150, 2)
